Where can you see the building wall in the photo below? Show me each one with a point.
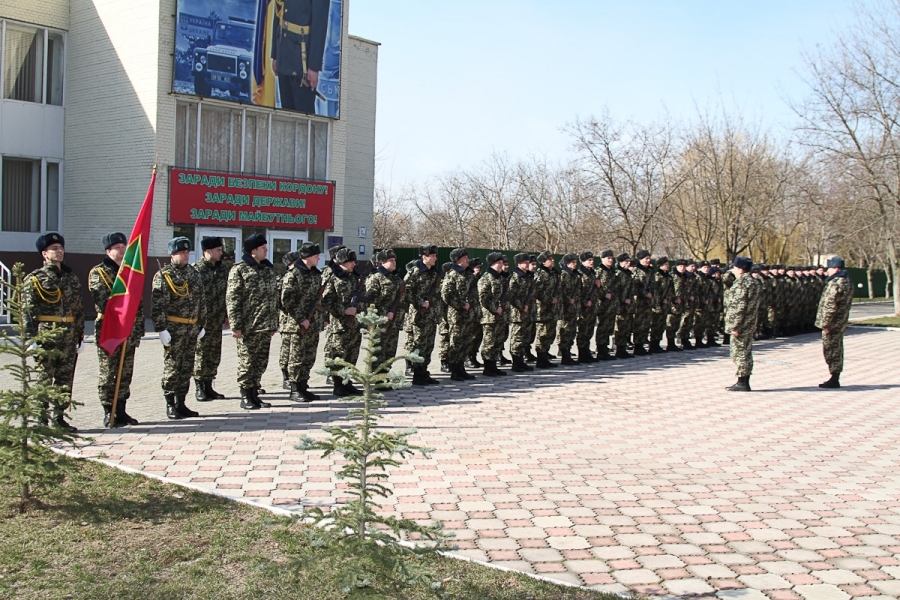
(49, 13)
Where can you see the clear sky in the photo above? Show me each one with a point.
(458, 80)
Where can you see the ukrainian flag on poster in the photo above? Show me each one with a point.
(264, 80)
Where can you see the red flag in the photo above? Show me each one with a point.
(126, 293)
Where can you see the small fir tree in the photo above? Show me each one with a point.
(371, 548)
(26, 459)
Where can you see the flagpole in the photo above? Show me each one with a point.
(112, 414)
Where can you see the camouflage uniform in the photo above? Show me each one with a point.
(344, 336)
(606, 309)
(742, 305)
(251, 301)
(704, 306)
(456, 292)
(422, 285)
(664, 295)
(625, 317)
(301, 295)
(520, 294)
(680, 287)
(570, 308)
(546, 313)
(491, 296)
(100, 282)
(587, 315)
(179, 308)
(443, 328)
(643, 304)
(382, 291)
(689, 305)
(209, 349)
(54, 295)
(833, 314)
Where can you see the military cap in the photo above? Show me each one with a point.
(715, 262)
(570, 257)
(290, 258)
(111, 239)
(544, 256)
(835, 262)
(49, 239)
(743, 263)
(622, 257)
(532, 257)
(208, 243)
(763, 267)
(427, 249)
(475, 262)
(703, 263)
(252, 242)
(522, 257)
(662, 260)
(458, 253)
(691, 261)
(586, 255)
(345, 255)
(505, 259)
(446, 267)
(633, 262)
(332, 252)
(386, 254)
(308, 249)
(494, 257)
(681, 261)
(714, 270)
(179, 244)
(607, 253)
(642, 254)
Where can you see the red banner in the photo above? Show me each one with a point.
(236, 200)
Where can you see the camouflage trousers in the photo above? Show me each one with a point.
(421, 338)
(109, 368)
(494, 336)
(58, 366)
(658, 323)
(685, 326)
(568, 330)
(443, 335)
(475, 339)
(301, 355)
(178, 358)
(641, 324)
(253, 358)
(673, 321)
(284, 355)
(741, 350)
(343, 342)
(624, 327)
(460, 327)
(833, 348)
(606, 328)
(545, 333)
(701, 320)
(772, 318)
(209, 354)
(520, 336)
(388, 342)
(586, 322)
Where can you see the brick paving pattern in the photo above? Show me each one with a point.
(636, 475)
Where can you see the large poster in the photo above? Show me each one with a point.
(276, 53)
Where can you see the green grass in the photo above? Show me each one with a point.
(880, 322)
(105, 534)
(855, 300)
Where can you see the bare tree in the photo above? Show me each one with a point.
(391, 220)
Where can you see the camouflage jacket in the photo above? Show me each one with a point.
(383, 290)
(607, 279)
(569, 294)
(664, 292)
(705, 293)
(100, 282)
(679, 292)
(252, 296)
(835, 303)
(520, 295)
(546, 289)
(642, 288)
(457, 290)
(491, 291)
(301, 291)
(623, 285)
(340, 290)
(589, 291)
(743, 305)
(215, 284)
(423, 284)
(177, 292)
(53, 292)
(690, 291)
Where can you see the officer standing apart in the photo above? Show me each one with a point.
(298, 48)
(54, 294)
(214, 276)
(301, 320)
(832, 317)
(100, 283)
(178, 314)
(740, 320)
(423, 296)
(251, 301)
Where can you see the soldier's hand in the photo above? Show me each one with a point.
(467, 306)
(650, 294)
(590, 303)
(236, 333)
(598, 283)
(677, 300)
(202, 333)
(826, 331)
(165, 337)
(609, 296)
(304, 323)
(350, 311)
(426, 304)
(627, 300)
(313, 78)
(390, 316)
(572, 301)
(554, 301)
(734, 333)
(500, 311)
(275, 66)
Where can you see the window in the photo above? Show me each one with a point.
(52, 197)
(54, 68)
(33, 60)
(21, 195)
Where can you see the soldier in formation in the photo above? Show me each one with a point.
(301, 319)
(214, 276)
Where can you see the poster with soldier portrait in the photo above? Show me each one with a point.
(277, 53)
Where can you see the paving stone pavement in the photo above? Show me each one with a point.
(637, 475)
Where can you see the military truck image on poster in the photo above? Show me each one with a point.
(276, 53)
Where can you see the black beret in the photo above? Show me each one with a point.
(544, 256)
(290, 258)
(208, 243)
(48, 239)
(662, 260)
(475, 262)
(458, 253)
(622, 257)
(308, 249)
(642, 254)
(715, 261)
(111, 239)
(681, 262)
(587, 254)
(179, 244)
(252, 242)
(743, 263)
(428, 249)
(570, 257)
(332, 252)
(345, 255)
(446, 267)
(607, 253)
(522, 257)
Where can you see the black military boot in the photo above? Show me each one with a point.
(584, 356)
(466, 374)
(295, 392)
(639, 349)
(456, 372)
(543, 361)
(698, 342)
(655, 348)
(529, 356)
(171, 404)
(107, 410)
(247, 402)
(686, 344)
(348, 385)
(622, 352)
(603, 353)
(308, 396)
(504, 360)
(833, 383)
(742, 385)
(712, 343)
(418, 376)
(726, 340)
(285, 380)
(491, 370)
(671, 346)
(183, 410)
(473, 363)
(260, 390)
(123, 417)
(200, 391)
(338, 389)
(518, 364)
(211, 393)
(566, 358)
(445, 366)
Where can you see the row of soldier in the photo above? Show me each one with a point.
(637, 302)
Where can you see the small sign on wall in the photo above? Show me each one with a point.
(362, 250)
(362, 233)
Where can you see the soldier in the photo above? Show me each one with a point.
(214, 276)
(300, 323)
(546, 307)
(532, 329)
(100, 283)
(443, 329)
(608, 303)
(587, 316)
(289, 260)
(642, 293)
(54, 294)
(504, 331)
(740, 321)
(679, 290)
(832, 316)
(691, 299)
(716, 324)
(703, 311)
(298, 49)
(385, 292)
(423, 296)
(665, 293)
(456, 295)
(342, 298)
(625, 316)
(570, 292)
(251, 300)
(492, 296)
(520, 294)
(179, 314)
(476, 333)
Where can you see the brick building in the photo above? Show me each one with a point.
(88, 105)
